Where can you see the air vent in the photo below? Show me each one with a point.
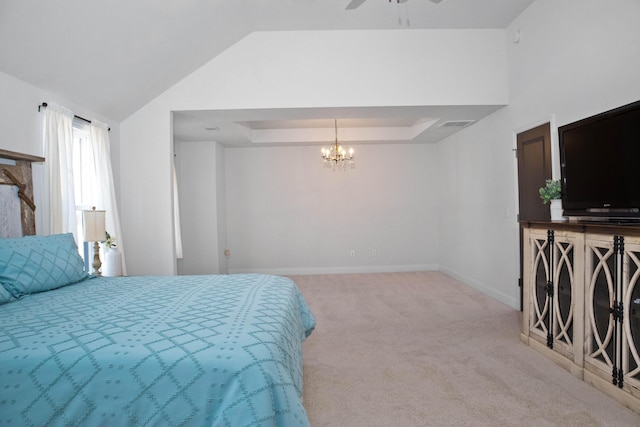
(456, 123)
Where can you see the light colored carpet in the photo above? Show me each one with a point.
(422, 349)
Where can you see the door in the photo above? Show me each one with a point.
(534, 167)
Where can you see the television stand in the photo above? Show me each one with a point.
(580, 307)
(609, 221)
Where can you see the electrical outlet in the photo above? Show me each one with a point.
(353, 252)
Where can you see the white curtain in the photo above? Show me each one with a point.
(59, 200)
(104, 196)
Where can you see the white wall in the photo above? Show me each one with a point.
(221, 206)
(196, 173)
(146, 163)
(478, 229)
(20, 124)
(297, 70)
(576, 58)
(288, 214)
(19, 118)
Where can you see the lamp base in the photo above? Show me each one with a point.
(96, 259)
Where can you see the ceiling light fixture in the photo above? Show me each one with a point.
(336, 157)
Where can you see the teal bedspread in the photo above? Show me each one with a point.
(162, 351)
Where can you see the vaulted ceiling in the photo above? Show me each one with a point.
(113, 57)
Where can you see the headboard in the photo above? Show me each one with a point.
(20, 176)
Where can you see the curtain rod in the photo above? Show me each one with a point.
(44, 104)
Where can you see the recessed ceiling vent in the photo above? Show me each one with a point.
(456, 123)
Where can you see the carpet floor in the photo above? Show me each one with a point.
(422, 349)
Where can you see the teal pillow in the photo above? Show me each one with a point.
(39, 263)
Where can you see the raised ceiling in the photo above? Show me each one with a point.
(113, 57)
(242, 128)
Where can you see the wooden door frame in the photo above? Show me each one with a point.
(555, 174)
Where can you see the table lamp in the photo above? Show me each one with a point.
(94, 231)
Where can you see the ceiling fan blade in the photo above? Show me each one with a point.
(354, 4)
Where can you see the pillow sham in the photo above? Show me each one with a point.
(39, 263)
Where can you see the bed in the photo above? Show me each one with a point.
(221, 350)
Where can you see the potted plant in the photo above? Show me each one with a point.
(551, 193)
(109, 241)
(113, 259)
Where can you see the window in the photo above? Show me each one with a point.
(84, 177)
(78, 173)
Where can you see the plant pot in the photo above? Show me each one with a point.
(556, 210)
(112, 263)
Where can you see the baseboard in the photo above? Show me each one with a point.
(605, 386)
(293, 271)
(337, 270)
(509, 300)
(558, 359)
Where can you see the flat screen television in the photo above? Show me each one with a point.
(600, 165)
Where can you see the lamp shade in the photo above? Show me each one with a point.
(93, 225)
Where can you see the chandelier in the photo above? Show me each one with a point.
(336, 157)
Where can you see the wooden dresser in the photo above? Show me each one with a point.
(581, 301)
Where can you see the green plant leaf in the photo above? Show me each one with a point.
(552, 190)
